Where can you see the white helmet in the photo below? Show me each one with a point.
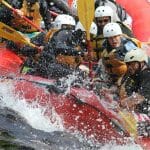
(63, 19)
(104, 11)
(93, 29)
(112, 29)
(74, 7)
(136, 55)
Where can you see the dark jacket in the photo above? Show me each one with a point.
(47, 66)
(126, 45)
(140, 83)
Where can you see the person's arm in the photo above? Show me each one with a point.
(131, 101)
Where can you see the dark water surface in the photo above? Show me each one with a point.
(15, 133)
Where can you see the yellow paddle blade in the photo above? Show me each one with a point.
(9, 33)
(85, 9)
(129, 123)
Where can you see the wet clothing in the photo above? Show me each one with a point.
(139, 83)
(32, 12)
(99, 40)
(35, 13)
(48, 67)
(61, 44)
(26, 50)
(113, 59)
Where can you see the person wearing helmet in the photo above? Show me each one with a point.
(62, 21)
(115, 47)
(104, 15)
(35, 10)
(135, 87)
(61, 55)
(120, 13)
(80, 31)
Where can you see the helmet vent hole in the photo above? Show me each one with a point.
(131, 57)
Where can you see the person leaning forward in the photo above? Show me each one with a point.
(115, 47)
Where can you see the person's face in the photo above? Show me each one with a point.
(67, 26)
(132, 67)
(102, 21)
(115, 41)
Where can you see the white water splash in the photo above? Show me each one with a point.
(34, 116)
(132, 146)
(32, 113)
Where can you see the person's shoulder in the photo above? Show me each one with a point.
(125, 29)
(146, 71)
(144, 75)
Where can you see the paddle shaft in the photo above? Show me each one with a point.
(23, 17)
(9, 33)
(85, 10)
(89, 47)
(53, 13)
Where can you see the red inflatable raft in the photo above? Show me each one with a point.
(80, 110)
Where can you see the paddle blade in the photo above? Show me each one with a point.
(9, 33)
(129, 122)
(85, 10)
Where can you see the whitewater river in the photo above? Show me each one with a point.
(24, 127)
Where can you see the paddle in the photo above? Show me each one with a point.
(128, 120)
(53, 13)
(23, 17)
(85, 9)
(9, 33)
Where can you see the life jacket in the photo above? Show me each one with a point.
(50, 34)
(64, 45)
(71, 61)
(113, 59)
(32, 13)
(112, 64)
(97, 43)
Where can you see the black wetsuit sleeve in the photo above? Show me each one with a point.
(144, 83)
(45, 14)
(60, 48)
(145, 91)
(39, 40)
